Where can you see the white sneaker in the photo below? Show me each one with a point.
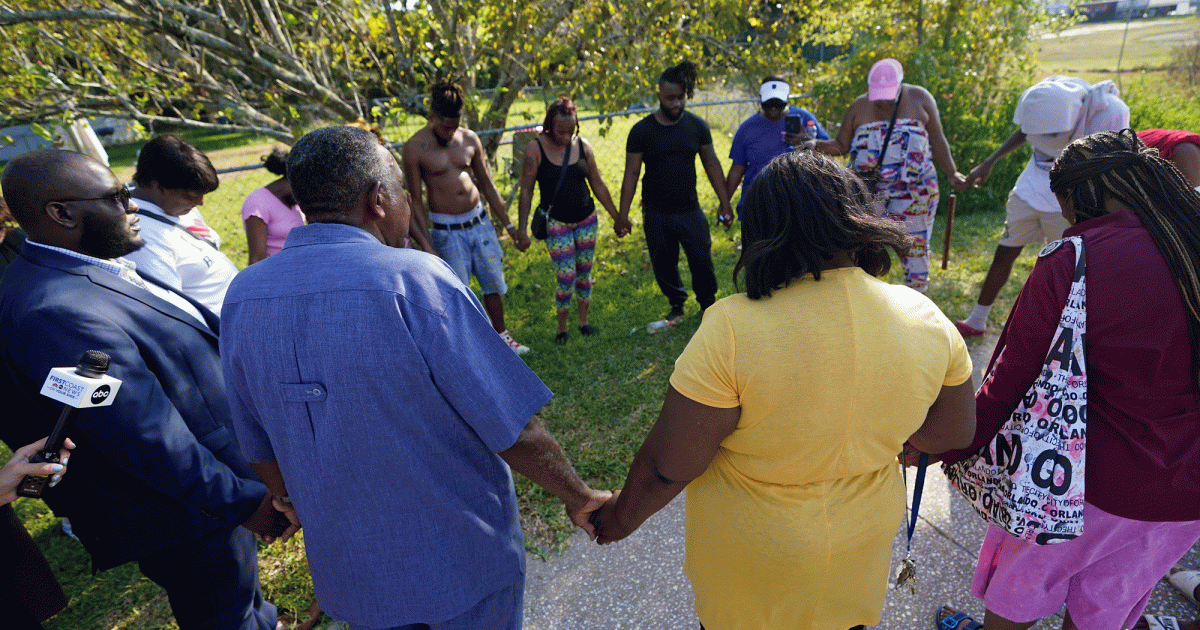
(512, 343)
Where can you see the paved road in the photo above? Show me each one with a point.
(638, 583)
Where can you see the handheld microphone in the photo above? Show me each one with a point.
(84, 386)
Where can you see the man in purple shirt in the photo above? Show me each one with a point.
(370, 388)
(764, 136)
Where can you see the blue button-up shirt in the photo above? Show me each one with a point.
(373, 376)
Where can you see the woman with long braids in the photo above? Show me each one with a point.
(1140, 225)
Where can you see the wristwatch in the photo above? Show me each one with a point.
(510, 226)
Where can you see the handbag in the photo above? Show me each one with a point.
(1029, 480)
(871, 177)
(538, 227)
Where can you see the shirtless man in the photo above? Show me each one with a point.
(444, 157)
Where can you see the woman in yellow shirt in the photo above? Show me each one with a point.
(787, 410)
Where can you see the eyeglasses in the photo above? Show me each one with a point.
(121, 198)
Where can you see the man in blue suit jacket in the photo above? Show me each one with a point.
(157, 476)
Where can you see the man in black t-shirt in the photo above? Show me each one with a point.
(668, 141)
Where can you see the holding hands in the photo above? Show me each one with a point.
(268, 522)
(911, 455)
(977, 176)
(275, 517)
(974, 179)
(584, 514)
(608, 528)
(959, 181)
(622, 225)
(285, 507)
(520, 238)
(980, 173)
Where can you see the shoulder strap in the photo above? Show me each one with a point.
(562, 172)
(891, 125)
(161, 219)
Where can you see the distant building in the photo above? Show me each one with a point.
(1101, 10)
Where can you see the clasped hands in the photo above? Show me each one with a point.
(911, 456)
(974, 179)
(520, 238)
(274, 519)
(599, 518)
(622, 226)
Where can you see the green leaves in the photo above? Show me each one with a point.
(42, 132)
(332, 56)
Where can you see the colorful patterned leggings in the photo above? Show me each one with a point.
(571, 247)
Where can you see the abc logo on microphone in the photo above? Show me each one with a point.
(81, 392)
(101, 394)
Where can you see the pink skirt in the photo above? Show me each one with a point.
(1104, 577)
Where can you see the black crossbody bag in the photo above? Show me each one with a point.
(537, 226)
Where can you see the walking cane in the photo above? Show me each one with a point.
(949, 229)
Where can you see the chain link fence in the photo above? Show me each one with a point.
(606, 133)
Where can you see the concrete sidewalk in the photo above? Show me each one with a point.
(638, 583)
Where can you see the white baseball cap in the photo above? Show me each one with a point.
(774, 89)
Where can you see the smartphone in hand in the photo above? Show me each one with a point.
(793, 124)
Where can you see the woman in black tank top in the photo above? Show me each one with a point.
(564, 166)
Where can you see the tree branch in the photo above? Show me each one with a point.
(11, 18)
(147, 120)
(269, 12)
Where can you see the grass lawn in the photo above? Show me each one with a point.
(607, 389)
(1091, 51)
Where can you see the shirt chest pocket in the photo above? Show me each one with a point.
(303, 393)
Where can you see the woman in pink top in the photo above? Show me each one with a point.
(270, 212)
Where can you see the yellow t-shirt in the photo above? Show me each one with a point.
(792, 524)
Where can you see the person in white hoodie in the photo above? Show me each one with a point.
(1052, 113)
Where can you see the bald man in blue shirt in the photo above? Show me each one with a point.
(369, 388)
